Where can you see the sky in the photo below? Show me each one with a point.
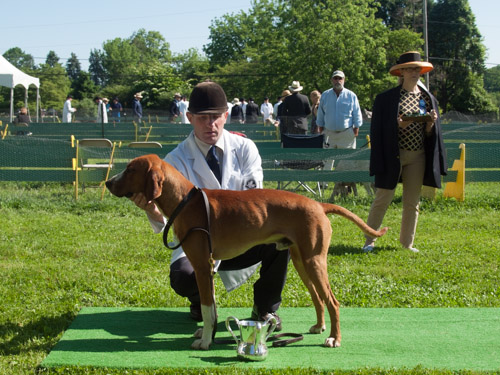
(38, 27)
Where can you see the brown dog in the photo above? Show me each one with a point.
(240, 220)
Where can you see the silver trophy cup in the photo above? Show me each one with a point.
(253, 336)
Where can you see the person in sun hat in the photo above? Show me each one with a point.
(236, 112)
(137, 107)
(239, 167)
(294, 111)
(405, 149)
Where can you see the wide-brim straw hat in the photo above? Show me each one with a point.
(138, 95)
(295, 87)
(410, 59)
(285, 93)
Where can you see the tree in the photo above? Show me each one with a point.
(122, 58)
(54, 85)
(96, 67)
(402, 14)
(456, 64)
(52, 59)
(190, 65)
(492, 79)
(73, 67)
(21, 60)
(279, 41)
(83, 86)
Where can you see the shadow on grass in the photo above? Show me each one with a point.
(340, 250)
(18, 338)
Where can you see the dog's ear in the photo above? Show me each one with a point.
(154, 184)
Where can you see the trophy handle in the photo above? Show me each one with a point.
(273, 321)
(228, 326)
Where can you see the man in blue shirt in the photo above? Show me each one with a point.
(339, 114)
(339, 118)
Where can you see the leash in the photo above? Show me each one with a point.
(176, 212)
(211, 260)
(277, 339)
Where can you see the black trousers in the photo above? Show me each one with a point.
(267, 289)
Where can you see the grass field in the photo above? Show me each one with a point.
(58, 255)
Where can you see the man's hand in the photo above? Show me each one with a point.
(355, 131)
(149, 206)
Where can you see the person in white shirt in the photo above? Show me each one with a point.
(240, 168)
(68, 109)
(102, 114)
(183, 106)
(266, 110)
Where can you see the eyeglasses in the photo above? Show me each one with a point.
(211, 117)
(337, 78)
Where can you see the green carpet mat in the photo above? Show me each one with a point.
(434, 338)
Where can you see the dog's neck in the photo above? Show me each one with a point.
(178, 187)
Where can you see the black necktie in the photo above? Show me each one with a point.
(213, 163)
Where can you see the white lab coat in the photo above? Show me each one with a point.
(67, 111)
(102, 113)
(241, 170)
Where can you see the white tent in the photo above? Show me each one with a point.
(10, 76)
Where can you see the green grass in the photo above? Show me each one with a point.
(58, 255)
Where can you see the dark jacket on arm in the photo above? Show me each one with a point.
(384, 158)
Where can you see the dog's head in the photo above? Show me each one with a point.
(143, 174)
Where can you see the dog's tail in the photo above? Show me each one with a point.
(338, 210)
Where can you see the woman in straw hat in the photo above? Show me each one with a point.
(406, 146)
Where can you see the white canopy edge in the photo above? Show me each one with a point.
(10, 76)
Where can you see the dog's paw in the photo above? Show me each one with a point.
(199, 344)
(330, 342)
(317, 329)
(198, 333)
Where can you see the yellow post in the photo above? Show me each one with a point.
(148, 133)
(110, 165)
(4, 134)
(75, 168)
(457, 189)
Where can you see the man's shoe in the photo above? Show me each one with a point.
(265, 316)
(195, 313)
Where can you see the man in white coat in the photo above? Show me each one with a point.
(67, 109)
(240, 168)
(102, 113)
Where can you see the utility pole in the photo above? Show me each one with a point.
(426, 47)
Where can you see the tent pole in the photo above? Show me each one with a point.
(11, 103)
(37, 102)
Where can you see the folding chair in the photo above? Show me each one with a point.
(302, 141)
(149, 144)
(95, 159)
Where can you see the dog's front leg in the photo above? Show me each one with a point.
(206, 288)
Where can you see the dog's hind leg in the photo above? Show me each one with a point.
(319, 305)
(316, 268)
